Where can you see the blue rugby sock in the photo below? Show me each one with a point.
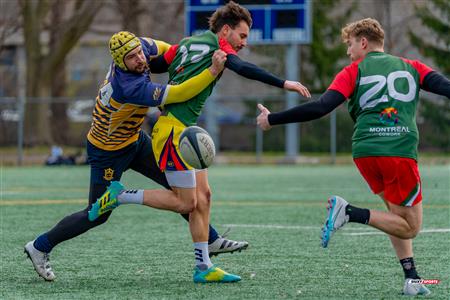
(43, 244)
(213, 235)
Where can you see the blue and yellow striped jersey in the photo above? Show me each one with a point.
(123, 101)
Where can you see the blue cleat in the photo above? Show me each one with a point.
(336, 218)
(108, 201)
(214, 274)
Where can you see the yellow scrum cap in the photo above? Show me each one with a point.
(120, 44)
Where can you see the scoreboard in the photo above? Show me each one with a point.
(274, 21)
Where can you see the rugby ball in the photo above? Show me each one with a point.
(197, 147)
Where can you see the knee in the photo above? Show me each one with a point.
(187, 205)
(415, 229)
(204, 198)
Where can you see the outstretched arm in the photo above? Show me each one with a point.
(301, 113)
(251, 71)
(436, 83)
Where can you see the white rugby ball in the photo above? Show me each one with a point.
(197, 147)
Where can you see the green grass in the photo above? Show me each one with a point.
(142, 253)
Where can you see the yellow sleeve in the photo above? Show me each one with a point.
(162, 46)
(188, 89)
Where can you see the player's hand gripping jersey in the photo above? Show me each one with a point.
(383, 91)
(189, 58)
(124, 98)
(185, 60)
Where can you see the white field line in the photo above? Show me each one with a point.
(295, 227)
(430, 230)
(361, 230)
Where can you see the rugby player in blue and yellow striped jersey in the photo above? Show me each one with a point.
(116, 142)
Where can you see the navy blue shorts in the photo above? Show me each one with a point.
(107, 166)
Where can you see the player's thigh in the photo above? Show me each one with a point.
(145, 163)
(203, 188)
(412, 214)
(370, 171)
(187, 196)
(165, 138)
(403, 185)
(381, 195)
(106, 166)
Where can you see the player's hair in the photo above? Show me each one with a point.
(230, 14)
(369, 28)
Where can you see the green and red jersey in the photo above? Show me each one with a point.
(383, 92)
(189, 58)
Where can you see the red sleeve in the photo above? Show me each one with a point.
(345, 80)
(420, 67)
(170, 54)
(226, 47)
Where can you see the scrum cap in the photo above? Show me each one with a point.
(120, 44)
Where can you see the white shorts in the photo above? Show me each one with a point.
(182, 179)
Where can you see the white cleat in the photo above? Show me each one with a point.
(336, 218)
(223, 245)
(40, 261)
(414, 287)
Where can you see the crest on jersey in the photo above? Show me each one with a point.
(109, 174)
(389, 116)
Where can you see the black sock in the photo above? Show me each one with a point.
(409, 268)
(357, 215)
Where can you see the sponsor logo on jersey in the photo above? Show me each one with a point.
(109, 173)
(389, 116)
(389, 131)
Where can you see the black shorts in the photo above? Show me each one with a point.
(107, 166)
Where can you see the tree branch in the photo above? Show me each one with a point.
(73, 30)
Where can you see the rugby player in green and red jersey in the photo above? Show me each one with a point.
(383, 92)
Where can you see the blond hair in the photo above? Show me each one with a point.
(368, 28)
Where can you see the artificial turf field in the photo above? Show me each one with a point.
(143, 253)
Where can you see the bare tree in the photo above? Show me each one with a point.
(9, 21)
(45, 57)
(130, 12)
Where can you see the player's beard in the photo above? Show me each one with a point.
(141, 68)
